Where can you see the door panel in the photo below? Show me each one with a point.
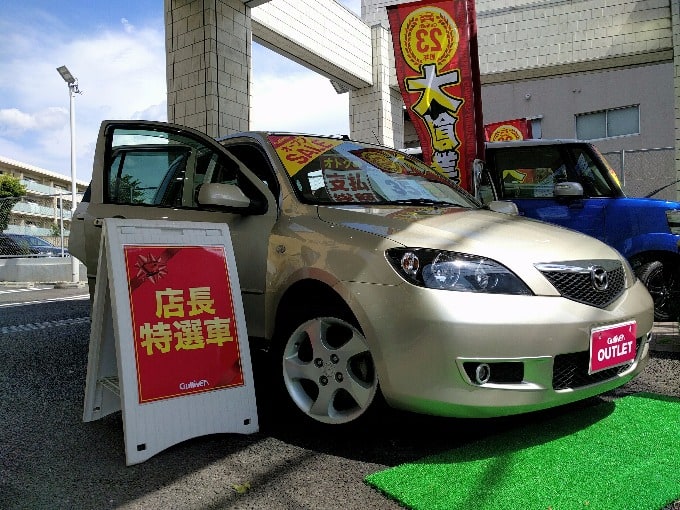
(153, 171)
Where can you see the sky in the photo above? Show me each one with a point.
(116, 50)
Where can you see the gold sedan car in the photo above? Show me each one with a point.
(366, 273)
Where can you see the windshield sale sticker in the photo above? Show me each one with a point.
(185, 331)
(612, 346)
(298, 151)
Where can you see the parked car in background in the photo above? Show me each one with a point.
(365, 272)
(10, 248)
(37, 246)
(569, 183)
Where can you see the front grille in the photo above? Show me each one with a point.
(574, 280)
(570, 371)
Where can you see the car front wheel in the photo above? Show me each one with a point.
(328, 370)
(663, 283)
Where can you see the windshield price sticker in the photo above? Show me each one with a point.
(348, 186)
(612, 346)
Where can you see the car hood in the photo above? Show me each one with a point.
(502, 237)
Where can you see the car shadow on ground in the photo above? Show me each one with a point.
(391, 436)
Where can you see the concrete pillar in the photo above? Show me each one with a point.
(376, 113)
(208, 49)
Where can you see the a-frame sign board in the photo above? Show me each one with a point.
(168, 341)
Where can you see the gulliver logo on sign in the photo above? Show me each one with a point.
(185, 334)
(612, 346)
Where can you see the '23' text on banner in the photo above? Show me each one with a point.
(435, 50)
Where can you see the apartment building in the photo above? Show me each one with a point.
(47, 201)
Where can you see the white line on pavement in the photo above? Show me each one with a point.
(26, 289)
(69, 298)
(42, 325)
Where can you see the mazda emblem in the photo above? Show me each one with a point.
(599, 278)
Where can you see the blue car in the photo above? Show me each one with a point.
(36, 246)
(569, 183)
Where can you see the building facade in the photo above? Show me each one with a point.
(602, 70)
(599, 70)
(47, 201)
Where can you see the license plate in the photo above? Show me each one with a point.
(612, 346)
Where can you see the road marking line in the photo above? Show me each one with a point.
(23, 289)
(42, 325)
(53, 300)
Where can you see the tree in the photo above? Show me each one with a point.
(126, 190)
(10, 191)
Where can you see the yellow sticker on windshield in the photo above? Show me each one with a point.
(297, 151)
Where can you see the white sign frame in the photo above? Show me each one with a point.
(112, 382)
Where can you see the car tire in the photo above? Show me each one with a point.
(327, 372)
(663, 284)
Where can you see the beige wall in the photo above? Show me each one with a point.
(607, 50)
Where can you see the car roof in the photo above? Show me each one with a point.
(264, 134)
(533, 142)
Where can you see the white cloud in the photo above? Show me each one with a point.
(121, 73)
(13, 120)
(127, 26)
(154, 112)
(295, 103)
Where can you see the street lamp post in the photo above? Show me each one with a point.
(73, 89)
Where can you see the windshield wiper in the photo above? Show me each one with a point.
(424, 201)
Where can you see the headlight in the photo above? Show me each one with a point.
(436, 269)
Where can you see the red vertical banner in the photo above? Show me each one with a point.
(435, 50)
(185, 334)
(508, 130)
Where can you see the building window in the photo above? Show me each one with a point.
(608, 123)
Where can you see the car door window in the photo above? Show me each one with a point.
(588, 173)
(257, 162)
(164, 169)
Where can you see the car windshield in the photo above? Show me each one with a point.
(335, 171)
(30, 241)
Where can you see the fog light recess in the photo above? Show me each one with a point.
(482, 373)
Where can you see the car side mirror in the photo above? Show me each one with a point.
(504, 206)
(223, 195)
(568, 190)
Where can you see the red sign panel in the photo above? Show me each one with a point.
(435, 49)
(508, 130)
(611, 346)
(185, 331)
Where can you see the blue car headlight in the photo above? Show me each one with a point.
(447, 270)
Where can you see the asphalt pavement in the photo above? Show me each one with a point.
(51, 459)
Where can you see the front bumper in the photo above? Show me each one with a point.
(426, 344)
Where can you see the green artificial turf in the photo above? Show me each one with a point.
(623, 455)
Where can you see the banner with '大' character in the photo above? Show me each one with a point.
(508, 130)
(435, 50)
